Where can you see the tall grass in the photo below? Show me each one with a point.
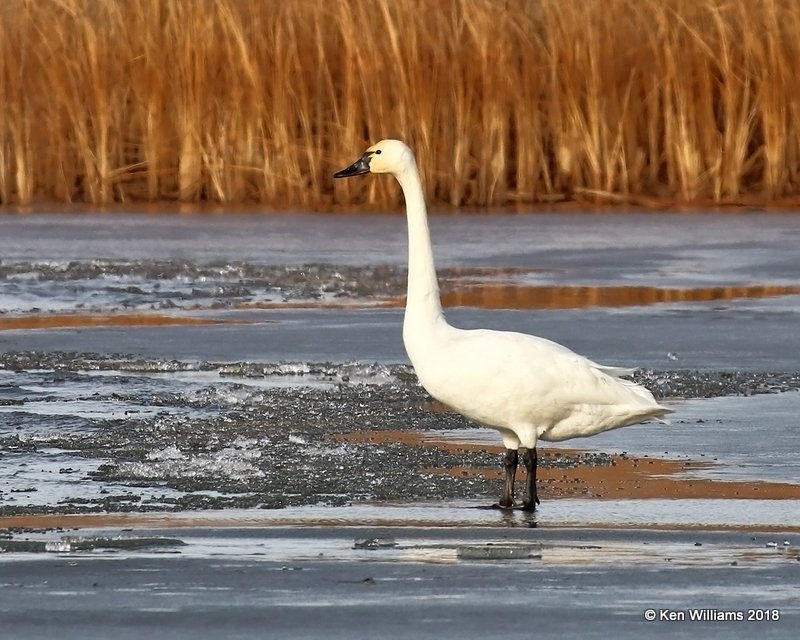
(521, 101)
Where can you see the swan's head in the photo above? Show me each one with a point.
(386, 156)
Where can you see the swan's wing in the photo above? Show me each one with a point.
(555, 347)
(540, 353)
(522, 364)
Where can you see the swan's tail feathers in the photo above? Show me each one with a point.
(645, 406)
(650, 407)
(640, 414)
(660, 414)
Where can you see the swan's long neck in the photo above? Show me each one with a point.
(423, 302)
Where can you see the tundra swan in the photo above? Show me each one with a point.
(527, 388)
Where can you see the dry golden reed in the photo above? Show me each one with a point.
(514, 102)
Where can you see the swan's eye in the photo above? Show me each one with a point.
(377, 152)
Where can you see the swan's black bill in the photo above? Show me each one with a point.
(356, 169)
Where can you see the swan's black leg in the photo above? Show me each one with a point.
(531, 498)
(510, 466)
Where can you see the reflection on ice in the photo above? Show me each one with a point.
(701, 514)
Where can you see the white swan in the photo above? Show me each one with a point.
(528, 388)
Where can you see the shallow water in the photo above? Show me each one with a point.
(103, 411)
(413, 582)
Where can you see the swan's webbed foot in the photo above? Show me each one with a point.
(531, 497)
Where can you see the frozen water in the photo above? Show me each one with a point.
(738, 248)
(248, 409)
(68, 263)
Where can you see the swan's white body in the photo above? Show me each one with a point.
(526, 387)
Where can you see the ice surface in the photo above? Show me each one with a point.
(140, 417)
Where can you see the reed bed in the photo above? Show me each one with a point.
(506, 103)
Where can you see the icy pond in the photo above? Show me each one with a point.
(224, 373)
